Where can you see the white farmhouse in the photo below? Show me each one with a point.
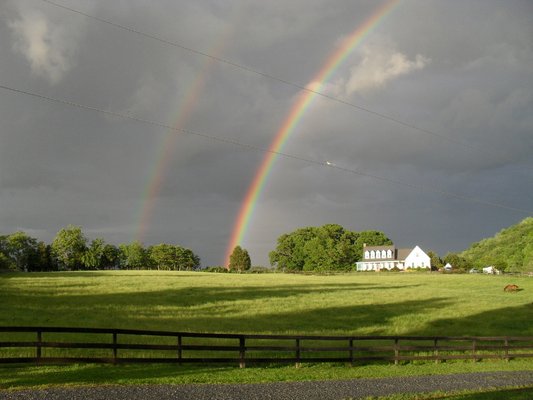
(376, 258)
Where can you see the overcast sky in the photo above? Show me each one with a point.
(462, 71)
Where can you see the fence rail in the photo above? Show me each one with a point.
(97, 345)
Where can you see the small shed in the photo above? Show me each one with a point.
(491, 270)
(448, 267)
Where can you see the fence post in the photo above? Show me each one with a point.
(351, 352)
(114, 347)
(39, 343)
(242, 349)
(297, 353)
(436, 350)
(506, 349)
(396, 351)
(179, 348)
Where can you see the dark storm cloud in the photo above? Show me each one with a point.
(458, 70)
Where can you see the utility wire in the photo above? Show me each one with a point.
(265, 150)
(272, 77)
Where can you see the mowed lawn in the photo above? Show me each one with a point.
(359, 303)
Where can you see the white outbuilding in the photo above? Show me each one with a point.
(491, 270)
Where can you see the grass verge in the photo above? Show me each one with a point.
(23, 376)
(522, 393)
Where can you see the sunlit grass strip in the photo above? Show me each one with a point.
(17, 376)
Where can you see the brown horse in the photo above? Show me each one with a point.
(511, 288)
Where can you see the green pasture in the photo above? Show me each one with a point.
(364, 303)
(354, 304)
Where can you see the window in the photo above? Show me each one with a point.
(383, 254)
(389, 254)
(367, 255)
(372, 254)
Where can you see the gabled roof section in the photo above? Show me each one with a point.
(403, 253)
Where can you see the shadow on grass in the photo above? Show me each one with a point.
(508, 321)
(100, 273)
(206, 309)
(92, 374)
(372, 319)
(186, 296)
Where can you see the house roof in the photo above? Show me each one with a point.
(369, 248)
(397, 254)
(403, 253)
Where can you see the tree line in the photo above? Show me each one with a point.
(326, 248)
(332, 248)
(320, 249)
(71, 250)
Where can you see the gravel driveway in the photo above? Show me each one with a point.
(319, 390)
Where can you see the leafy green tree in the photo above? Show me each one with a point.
(436, 261)
(173, 257)
(332, 248)
(68, 248)
(239, 260)
(510, 250)
(111, 256)
(22, 250)
(133, 256)
(5, 261)
(187, 260)
(163, 256)
(289, 254)
(457, 262)
(326, 248)
(94, 256)
(19, 252)
(370, 238)
(44, 260)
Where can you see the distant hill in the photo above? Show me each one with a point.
(510, 250)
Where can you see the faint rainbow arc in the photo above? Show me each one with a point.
(296, 113)
(166, 146)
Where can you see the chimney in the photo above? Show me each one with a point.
(364, 245)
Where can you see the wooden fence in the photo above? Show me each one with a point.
(94, 345)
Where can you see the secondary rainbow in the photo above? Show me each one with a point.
(295, 115)
(165, 150)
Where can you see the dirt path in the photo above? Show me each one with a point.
(319, 390)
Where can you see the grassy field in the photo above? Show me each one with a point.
(365, 303)
(360, 304)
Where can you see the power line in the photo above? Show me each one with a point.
(260, 149)
(272, 77)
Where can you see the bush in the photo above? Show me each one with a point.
(257, 269)
(217, 269)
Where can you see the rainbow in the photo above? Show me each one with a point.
(165, 150)
(295, 115)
